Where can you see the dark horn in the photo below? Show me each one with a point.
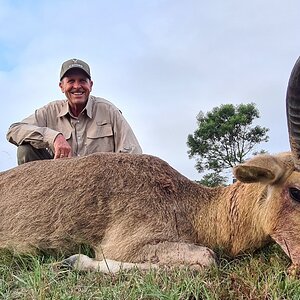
(293, 112)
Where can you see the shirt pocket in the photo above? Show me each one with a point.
(100, 138)
(100, 130)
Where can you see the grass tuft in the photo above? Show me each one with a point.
(259, 276)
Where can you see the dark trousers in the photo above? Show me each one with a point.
(26, 153)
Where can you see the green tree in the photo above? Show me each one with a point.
(213, 179)
(225, 136)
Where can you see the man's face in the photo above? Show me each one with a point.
(77, 87)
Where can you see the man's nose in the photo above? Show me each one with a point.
(76, 84)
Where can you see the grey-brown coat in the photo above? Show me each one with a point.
(138, 210)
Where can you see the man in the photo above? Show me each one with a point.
(80, 125)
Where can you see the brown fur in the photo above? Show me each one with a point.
(138, 209)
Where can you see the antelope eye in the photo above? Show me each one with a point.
(295, 194)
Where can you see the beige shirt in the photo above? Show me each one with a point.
(101, 127)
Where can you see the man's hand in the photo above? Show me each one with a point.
(61, 147)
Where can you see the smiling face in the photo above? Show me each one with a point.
(77, 87)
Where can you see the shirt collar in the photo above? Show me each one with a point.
(89, 107)
(66, 110)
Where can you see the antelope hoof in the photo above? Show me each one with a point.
(70, 262)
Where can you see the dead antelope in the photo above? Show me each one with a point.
(136, 210)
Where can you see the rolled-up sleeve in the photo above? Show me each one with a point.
(32, 130)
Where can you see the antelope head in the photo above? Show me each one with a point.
(280, 211)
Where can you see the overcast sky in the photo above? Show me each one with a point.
(159, 61)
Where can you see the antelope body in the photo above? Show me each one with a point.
(136, 210)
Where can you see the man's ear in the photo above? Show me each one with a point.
(91, 82)
(61, 87)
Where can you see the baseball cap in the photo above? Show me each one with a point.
(72, 64)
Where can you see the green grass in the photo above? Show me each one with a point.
(259, 276)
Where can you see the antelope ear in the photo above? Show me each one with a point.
(261, 168)
(250, 174)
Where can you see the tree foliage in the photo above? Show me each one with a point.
(225, 136)
(213, 179)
